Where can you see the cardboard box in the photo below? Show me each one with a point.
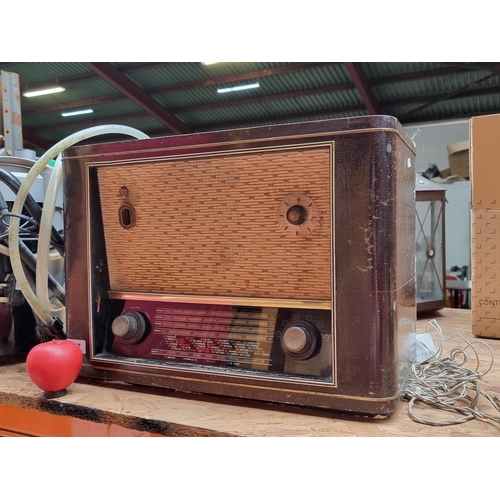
(458, 158)
(485, 229)
(445, 173)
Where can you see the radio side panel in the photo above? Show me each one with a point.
(374, 262)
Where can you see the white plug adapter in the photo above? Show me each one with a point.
(425, 347)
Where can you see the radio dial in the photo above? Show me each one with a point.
(299, 341)
(129, 327)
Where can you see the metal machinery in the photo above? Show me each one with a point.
(20, 328)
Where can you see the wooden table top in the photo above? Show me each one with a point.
(161, 412)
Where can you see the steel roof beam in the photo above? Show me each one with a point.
(449, 95)
(363, 87)
(194, 84)
(384, 105)
(138, 66)
(419, 75)
(32, 139)
(254, 74)
(115, 78)
(187, 85)
(84, 77)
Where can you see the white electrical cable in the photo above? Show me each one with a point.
(15, 256)
(446, 384)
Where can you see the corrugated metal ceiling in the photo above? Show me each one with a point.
(181, 97)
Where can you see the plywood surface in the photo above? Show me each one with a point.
(162, 413)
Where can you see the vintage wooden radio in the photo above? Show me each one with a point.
(270, 263)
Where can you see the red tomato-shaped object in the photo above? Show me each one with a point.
(53, 366)
(5, 321)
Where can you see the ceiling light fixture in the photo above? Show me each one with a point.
(239, 87)
(208, 63)
(51, 90)
(77, 112)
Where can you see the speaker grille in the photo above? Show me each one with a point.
(209, 225)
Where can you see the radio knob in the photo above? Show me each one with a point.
(296, 215)
(300, 341)
(129, 327)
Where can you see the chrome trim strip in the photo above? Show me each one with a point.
(233, 301)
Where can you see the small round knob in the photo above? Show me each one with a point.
(300, 341)
(129, 327)
(296, 215)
